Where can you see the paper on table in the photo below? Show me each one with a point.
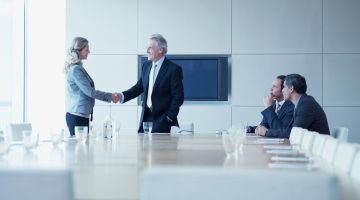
(278, 147)
(268, 141)
(272, 139)
(284, 152)
(291, 165)
(252, 136)
(288, 158)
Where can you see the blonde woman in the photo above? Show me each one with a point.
(80, 88)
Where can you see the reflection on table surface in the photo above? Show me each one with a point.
(109, 169)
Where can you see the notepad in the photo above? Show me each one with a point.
(278, 147)
(269, 141)
(272, 139)
(283, 151)
(288, 158)
(290, 165)
(252, 136)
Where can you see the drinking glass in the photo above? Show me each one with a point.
(229, 143)
(57, 136)
(147, 126)
(81, 133)
(117, 128)
(30, 139)
(4, 143)
(93, 132)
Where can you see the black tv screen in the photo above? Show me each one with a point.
(205, 77)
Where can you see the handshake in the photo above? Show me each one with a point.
(115, 97)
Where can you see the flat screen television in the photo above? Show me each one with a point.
(206, 78)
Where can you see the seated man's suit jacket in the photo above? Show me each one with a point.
(273, 120)
(308, 114)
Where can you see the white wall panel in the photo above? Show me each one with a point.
(113, 73)
(246, 115)
(341, 80)
(277, 26)
(252, 75)
(126, 115)
(341, 26)
(190, 27)
(206, 118)
(284, 36)
(346, 117)
(109, 25)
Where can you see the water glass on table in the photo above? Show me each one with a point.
(30, 139)
(117, 128)
(230, 143)
(81, 133)
(57, 136)
(147, 126)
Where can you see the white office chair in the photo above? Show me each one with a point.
(340, 133)
(16, 130)
(36, 184)
(296, 135)
(330, 147)
(181, 183)
(344, 156)
(355, 168)
(184, 127)
(318, 145)
(308, 140)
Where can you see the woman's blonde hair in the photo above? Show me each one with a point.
(73, 53)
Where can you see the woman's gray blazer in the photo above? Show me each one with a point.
(80, 91)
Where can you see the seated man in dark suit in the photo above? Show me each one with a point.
(278, 112)
(308, 113)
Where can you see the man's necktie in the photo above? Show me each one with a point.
(278, 107)
(151, 84)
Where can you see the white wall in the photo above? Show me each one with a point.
(316, 38)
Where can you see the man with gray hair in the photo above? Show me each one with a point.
(161, 85)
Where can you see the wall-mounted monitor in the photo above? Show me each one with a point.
(206, 78)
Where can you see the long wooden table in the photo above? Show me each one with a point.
(110, 169)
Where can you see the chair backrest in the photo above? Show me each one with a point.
(308, 140)
(330, 147)
(36, 184)
(16, 130)
(340, 133)
(355, 168)
(179, 183)
(296, 135)
(184, 127)
(318, 145)
(344, 156)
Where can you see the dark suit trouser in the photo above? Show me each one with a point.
(74, 120)
(157, 127)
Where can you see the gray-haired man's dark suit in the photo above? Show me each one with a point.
(167, 95)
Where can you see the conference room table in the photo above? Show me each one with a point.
(111, 168)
